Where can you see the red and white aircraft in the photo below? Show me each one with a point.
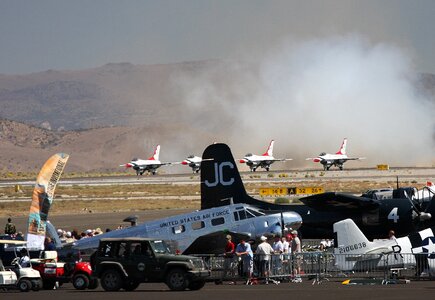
(338, 159)
(194, 162)
(142, 165)
(264, 161)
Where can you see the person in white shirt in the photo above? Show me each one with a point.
(278, 248)
(264, 251)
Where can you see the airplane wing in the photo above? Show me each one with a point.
(214, 243)
(353, 158)
(332, 201)
(282, 159)
(167, 163)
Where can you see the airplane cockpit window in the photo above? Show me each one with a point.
(178, 229)
(254, 213)
(242, 214)
(198, 225)
(322, 154)
(217, 221)
(135, 159)
(236, 216)
(191, 156)
(248, 155)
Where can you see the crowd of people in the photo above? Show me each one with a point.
(267, 256)
(64, 235)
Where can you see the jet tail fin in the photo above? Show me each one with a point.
(342, 149)
(269, 151)
(156, 154)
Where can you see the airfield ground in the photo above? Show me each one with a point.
(103, 202)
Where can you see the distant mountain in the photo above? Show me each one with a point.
(105, 116)
(111, 95)
(25, 148)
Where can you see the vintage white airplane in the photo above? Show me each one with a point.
(354, 252)
(151, 164)
(204, 231)
(194, 162)
(338, 159)
(263, 161)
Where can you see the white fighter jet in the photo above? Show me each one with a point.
(263, 161)
(338, 159)
(193, 161)
(151, 164)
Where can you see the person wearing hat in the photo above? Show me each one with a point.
(264, 251)
(69, 237)
(297, 259)
(228, 256)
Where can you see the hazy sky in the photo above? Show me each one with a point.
(40, 35)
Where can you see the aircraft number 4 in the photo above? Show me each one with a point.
(393, 215)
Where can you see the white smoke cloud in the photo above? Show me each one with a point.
(319, 91)
(308, 95)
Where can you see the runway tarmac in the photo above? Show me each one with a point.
(331, 290)
(249, 177)
(102, 220)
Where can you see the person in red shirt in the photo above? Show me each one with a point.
(228, 256)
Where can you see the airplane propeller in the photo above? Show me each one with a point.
(420, 216)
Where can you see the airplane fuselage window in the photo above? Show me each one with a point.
(217, 221)
(198, 225)
(178, 229)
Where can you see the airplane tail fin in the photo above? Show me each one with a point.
(221, 183)
(349, 239)
(269, 151)
(156, 154)
(342, 149)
